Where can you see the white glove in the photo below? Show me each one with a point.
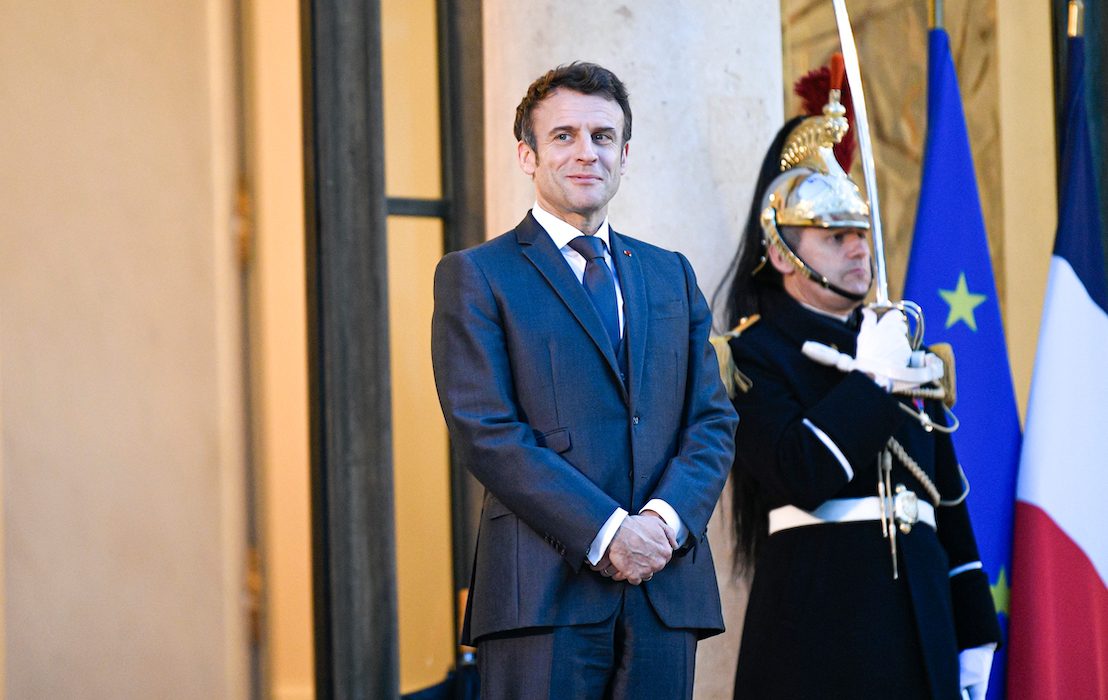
(973, 670)
(883, 347)
(923, 368)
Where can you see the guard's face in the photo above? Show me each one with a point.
(840, 255)
(578, 158)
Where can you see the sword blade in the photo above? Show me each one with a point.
(865, 145)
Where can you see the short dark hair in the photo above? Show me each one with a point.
(579, 76)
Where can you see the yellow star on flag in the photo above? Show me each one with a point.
(962, 302)
(1002, 594)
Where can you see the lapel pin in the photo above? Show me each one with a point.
(627, 253)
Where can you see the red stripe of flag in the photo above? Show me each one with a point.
(1062, 649)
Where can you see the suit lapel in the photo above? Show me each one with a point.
(539, 249)
(635, 308)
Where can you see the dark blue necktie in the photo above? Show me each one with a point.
(598, 283)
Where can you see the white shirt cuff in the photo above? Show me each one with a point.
(974, 665)
(670, 516)
(604, 537)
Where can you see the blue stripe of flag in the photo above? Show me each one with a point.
(1078, 239)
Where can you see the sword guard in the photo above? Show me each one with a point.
(911, 310)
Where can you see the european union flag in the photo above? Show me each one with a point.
(951, 278)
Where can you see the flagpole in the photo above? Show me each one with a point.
(1075, 25)
(936, 7)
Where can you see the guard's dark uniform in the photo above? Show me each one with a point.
(825, 617)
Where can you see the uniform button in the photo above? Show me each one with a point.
(635, 419)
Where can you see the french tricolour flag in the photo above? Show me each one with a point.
(1059, 606)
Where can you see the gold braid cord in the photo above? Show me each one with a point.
(923, 392)
(941, 393)
(912, 466)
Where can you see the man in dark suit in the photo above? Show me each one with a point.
(576, 377)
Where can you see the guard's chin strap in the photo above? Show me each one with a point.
(769, 225)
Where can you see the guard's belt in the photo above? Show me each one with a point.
(842, 510)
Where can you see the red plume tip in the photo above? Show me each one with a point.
(812, 91)
(838, 69)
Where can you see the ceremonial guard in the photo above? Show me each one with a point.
(849, 502)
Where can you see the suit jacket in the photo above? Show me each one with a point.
(538, 411)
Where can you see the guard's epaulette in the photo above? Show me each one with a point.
(945, 352)
(733, 379)
(744, 323)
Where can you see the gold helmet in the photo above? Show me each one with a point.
(813, 190)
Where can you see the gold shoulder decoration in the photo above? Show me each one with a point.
(726, 362)
(744, 323)
(733, 379)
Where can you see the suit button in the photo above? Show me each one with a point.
(635, 419)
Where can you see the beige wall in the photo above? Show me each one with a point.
(421, 474)
(122, 435)
(3, 538)
(1027, 155)
(279, 343)
(705, 84)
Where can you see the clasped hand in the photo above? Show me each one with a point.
(883, 346)
(642, 546)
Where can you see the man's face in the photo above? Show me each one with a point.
(578, 156)
(840, 255)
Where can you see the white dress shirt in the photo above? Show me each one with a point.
(562, 233)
